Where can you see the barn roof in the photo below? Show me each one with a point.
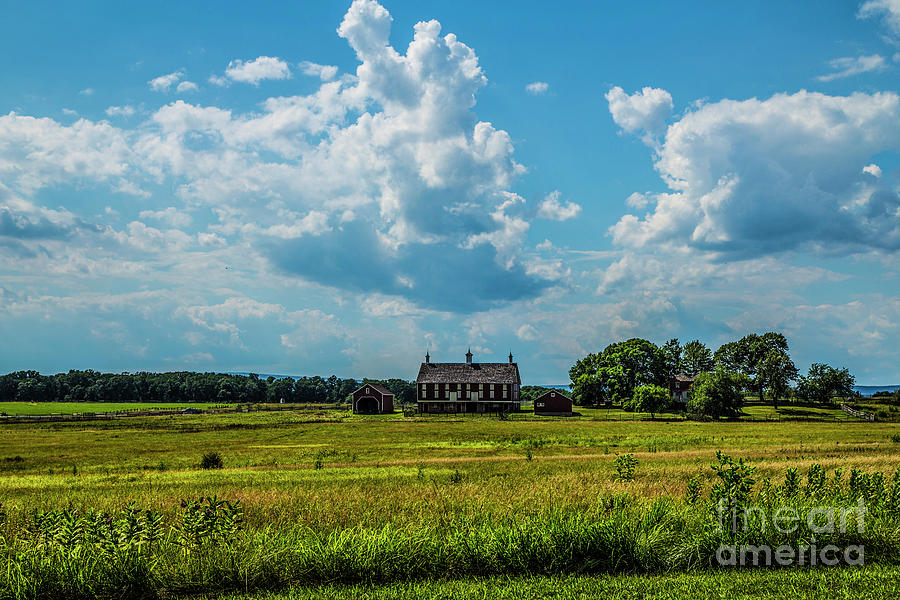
(383, 390)
(468, 373)
(557, 392)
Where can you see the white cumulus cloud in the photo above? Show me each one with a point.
(323, 72)
(186, 86)
(258, 69)
(758, 176)
(644, 111)
(164, 83)
(537, 88)
(551, 208)
(873, 170)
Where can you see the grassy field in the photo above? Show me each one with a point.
(329, 480)
(811, 584)
(69, 408)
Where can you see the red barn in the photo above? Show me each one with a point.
(553, 403)
(373, 399)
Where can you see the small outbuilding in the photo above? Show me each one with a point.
(553, 403)
(373, 399)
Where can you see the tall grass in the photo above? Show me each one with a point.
(204, 547)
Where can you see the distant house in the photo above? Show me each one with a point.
(553, 403)
(679, 385)
(373, 399)
(468, 387)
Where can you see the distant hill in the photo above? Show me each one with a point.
(868, 390)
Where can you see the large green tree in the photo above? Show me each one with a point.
(748, 356)
(673, 354)
(719, 393)
(587, 388)
(696, 358)
(612, 375)
(822, 383)
(775, 372)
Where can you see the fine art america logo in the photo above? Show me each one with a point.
(829, 523)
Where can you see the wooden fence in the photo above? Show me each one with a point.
(860, 414)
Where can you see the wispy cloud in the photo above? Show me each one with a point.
(120, 111)
(849, 66)
(537, 88)
(888, 10)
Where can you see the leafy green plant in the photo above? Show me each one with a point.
(625, 465)
(791, 483)
(693, 489)
(733, 489)
(815, 480)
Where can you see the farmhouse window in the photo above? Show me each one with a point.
(423, 391)
(505, 391)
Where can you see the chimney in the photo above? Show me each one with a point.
(469, 356)
(510, 357)
(427, 357)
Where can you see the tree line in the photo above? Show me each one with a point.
(180, 387)
(636, 373)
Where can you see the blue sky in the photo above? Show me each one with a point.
(332, 188)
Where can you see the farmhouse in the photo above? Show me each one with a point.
(373, 399)
(468, 387)
(679, 385)
(553, 403)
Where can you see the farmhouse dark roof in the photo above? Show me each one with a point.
(468, 373)
(557, 392)
(383, 390)
(684, 378)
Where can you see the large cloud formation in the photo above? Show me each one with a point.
(383, 181)
(753, 177)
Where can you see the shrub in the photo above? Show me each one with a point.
(896, 438)
(625, 465)
(211, 460)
